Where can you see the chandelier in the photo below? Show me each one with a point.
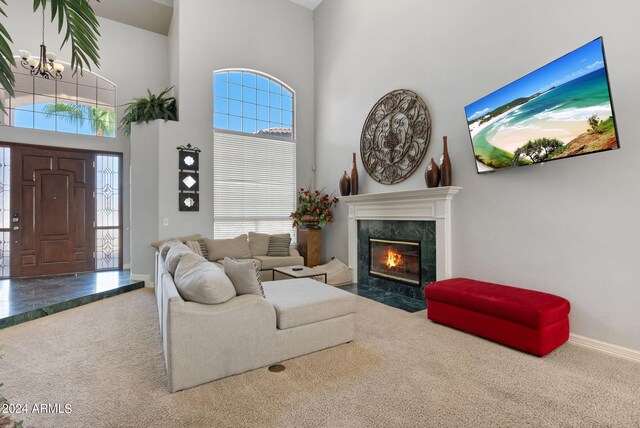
(44, 66)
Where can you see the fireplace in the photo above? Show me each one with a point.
(406, 215)
(395, 260)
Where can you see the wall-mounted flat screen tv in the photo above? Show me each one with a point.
(561, 110)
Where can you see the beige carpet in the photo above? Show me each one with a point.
(105, 360)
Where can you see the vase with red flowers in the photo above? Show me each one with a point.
(314, 209)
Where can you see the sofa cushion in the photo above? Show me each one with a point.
(166, 245)
(259, 242)
(182, 239)
(237, 248)
(303, 301)
(269, 262)
(279, 246)
(244, 275)
(175, 253)
(199, 281)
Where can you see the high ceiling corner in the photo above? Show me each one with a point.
(151, 15)
(309, 4)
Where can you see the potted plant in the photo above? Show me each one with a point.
(314, 209)
(144, 110)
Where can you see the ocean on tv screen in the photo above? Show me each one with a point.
(560, 110)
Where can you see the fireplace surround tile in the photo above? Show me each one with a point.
(423, 231)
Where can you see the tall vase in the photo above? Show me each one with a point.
(345, 185)
(445, 166)
(432, 174)
(354, 176)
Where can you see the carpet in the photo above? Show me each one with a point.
(105, 361)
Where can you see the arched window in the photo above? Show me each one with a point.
(80, 104)
(254, 103)
(254, 153)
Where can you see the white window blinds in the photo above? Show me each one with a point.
(254, 184)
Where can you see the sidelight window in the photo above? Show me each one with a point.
(5, 211)
(108, 240)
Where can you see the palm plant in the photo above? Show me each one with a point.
(147, 109)
(102, 121)
(81, 30)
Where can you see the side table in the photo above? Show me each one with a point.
(310, 246)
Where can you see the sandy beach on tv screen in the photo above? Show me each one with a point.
(511, 139)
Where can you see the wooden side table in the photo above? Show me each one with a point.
(310, 246)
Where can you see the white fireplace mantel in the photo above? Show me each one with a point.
(432, 204)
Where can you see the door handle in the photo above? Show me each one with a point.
(16, 227)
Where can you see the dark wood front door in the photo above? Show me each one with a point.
(53, 211)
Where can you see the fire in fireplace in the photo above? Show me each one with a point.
(395, 260)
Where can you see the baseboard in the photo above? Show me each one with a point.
(607, 348)
(126, 267)
(145, 278)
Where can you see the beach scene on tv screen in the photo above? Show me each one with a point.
(560, 110)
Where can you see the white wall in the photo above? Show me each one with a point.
(568, 227)
(275, 37)
(127, 54)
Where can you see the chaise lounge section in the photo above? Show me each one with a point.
(205, 342)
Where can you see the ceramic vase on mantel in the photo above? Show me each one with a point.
(445, 165)
(354, 176)
(345, 184)
(432, 174)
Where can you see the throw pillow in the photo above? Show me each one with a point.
(259, 242)
(245, 276)
(203, 248)
(279, 246)
(182, 239)
(237, 247)
(175, 253)
(195, 247)
(199, 281)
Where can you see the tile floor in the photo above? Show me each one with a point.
(25, 299)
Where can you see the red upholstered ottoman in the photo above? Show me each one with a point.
(528, 320)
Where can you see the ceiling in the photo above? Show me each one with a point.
(309, 4)
(153, 15)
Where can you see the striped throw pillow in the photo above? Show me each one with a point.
(195, 247)
(203, 249)
(279, 246)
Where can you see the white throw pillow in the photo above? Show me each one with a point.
(198, 280)
(245, 276)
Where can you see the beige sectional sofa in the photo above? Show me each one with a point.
(205, 342)
(254, 246)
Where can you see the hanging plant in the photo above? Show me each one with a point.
(144, 110)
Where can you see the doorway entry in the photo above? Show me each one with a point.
(63, 214)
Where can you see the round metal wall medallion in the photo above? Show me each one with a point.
(395, 136)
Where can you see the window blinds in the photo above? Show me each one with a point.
(254, 184)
